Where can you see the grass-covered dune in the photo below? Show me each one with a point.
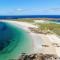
(55, 28)
(49, 26)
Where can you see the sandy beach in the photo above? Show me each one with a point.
(40, 39)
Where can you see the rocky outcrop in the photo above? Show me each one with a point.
(38, 57)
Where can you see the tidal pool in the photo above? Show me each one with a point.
(13, 41)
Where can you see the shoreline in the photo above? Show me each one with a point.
(36, 45)
(39, 40)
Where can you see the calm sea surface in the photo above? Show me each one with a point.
(21, 43)
(29, 16)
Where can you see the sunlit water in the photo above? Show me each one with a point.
(19, 42)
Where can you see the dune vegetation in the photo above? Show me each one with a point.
(53, 27)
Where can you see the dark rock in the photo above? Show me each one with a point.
(38, 56)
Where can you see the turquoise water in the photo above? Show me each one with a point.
(20, 43)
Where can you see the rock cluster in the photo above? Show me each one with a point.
(39, 57)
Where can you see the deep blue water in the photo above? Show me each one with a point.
(30, 16)
(6, 34)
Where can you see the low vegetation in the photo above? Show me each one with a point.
(26, 20)
(53, 27)
(50, 26)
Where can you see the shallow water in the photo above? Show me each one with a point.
(21, 43)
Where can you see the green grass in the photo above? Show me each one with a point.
(26, 20)
(50, 26)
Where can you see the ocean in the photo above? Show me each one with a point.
(20, 43)
(29, 16)
(14, 17)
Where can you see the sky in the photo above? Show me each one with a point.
(29, 7)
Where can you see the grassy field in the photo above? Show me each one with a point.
(50, 26)
(26, 20)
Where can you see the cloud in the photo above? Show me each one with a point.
(43, 10)
(54, 9)
(19, 9)
(29, 11)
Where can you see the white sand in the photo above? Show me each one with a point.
(55, 39)
(39, 21)
(36, 38)
(37, 42)
(23, 25)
